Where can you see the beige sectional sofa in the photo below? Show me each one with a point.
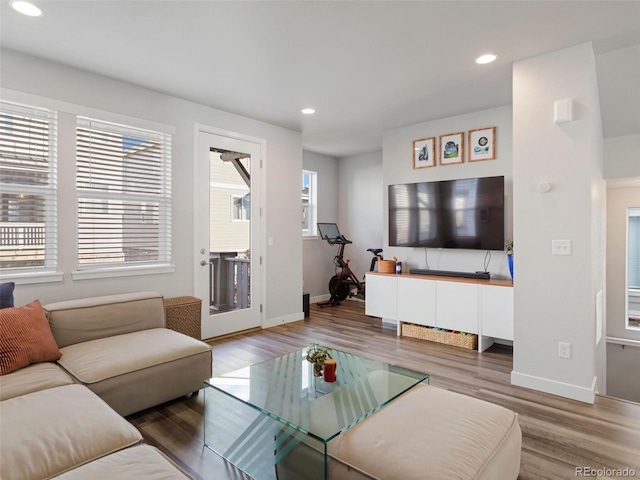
(64, 419)
(119, 348)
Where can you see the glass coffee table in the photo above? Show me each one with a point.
(274, 420)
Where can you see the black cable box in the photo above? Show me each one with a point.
(446, 273)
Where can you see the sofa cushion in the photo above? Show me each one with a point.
(139, 463)
(49, 432)
(25, 338)
(33, 378)
(76, 321)
(97, 360)
(6, 294)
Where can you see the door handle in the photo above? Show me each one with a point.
(203, 263)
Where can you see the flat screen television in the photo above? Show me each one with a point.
(463, 213)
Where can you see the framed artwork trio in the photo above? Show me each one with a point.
(481, 145)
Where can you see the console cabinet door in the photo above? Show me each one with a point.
(382, 296)
(417, 301)
(496, 311)
(457, 306)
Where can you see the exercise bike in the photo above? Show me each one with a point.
(344, 283)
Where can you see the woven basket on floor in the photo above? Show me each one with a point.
(469, 342)
(183, 315)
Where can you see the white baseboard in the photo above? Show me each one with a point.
(561, 389)
(293, 317)
(320, 298)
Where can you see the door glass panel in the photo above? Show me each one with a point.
(229, 231)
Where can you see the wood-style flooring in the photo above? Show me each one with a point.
(558, 434)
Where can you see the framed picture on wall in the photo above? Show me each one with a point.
(482, 144)
(424, 153)
(452, 148)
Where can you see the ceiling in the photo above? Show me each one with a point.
(365, 66)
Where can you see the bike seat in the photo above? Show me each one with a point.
(375, 251)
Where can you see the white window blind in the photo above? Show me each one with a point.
(634, 248)
(124, 195)
(28, 137)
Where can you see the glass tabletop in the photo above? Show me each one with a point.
(285, 388)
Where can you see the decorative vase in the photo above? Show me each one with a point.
(510, 260)
(317, 369)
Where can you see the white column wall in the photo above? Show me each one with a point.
(281, 181)
(555, 295)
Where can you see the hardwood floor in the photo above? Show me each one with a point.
(558, 434)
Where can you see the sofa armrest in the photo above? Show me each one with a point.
(87, 319)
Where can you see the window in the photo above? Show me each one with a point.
(241, 207)
(309, 203)
(123, 183)
(634, 248)
(28, 138)
(633, 269)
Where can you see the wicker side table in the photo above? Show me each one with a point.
(183, 315)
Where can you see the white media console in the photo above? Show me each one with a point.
(483, 307)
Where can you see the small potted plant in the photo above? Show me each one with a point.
(509, 247)
(316, 355)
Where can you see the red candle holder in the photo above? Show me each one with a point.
(329, 369)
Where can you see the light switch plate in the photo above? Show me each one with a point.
(561, 247)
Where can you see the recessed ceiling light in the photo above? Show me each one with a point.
(488, 58)
(308, 111)
(26, 8)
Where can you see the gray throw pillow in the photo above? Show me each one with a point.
(6, 294)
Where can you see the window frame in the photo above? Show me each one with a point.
(126, 197)
(245, 209)
(312, 209)
(632, 257)
(48, 191)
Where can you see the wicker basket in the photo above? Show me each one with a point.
(441, 336)
(183, 315)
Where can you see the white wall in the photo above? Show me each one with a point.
(618, 202)
(555, 295)
(318, 255)
(621, 156)
(360, 193)
(282, 170)
(398, 168)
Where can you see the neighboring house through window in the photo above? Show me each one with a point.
(28, 213)
(309, 203)
(241, 208)
(124, 195)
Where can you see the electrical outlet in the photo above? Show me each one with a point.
(564, 350)
(561, 247)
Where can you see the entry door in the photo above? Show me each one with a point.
(227, 221)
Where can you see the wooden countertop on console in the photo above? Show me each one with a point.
(481, 281)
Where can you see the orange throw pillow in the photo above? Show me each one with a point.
(25, 338)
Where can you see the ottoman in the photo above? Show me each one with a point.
(431, 434)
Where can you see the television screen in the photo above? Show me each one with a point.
(464, 213)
